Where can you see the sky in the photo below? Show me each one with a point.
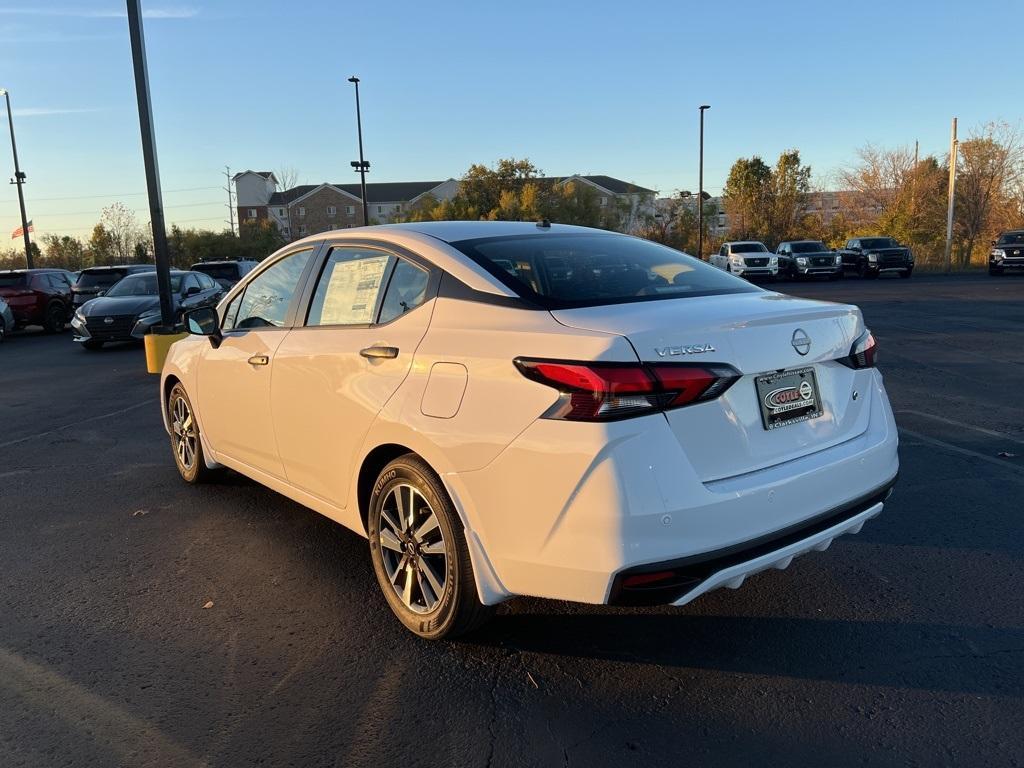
(576, 87)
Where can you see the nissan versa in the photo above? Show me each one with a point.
(509, 408)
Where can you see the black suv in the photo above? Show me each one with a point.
(871, 256)
(227, 273)
(95, 280)
(1007, 252)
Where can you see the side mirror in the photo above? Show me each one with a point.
(100, 293)
(191, 291)
(994, 243)
(204, 321)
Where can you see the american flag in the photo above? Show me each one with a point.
(20, 231)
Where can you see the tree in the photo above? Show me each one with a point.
(990, 171)
(123, 231)
(65, 252)
(790, 183)
(100, 246)
(286, 177)
(747, 199)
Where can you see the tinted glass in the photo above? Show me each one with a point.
(406, 290)
(219, 271)
(809, 247)
(878, 242)
(205, 281)
(99, 280)
(1012, 238)
(14, 280)
(190, 282)
(579, 270)
(266, 299)
(142, 284)
(748, 248)
(347, 291)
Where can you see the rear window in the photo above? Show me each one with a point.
(12, 280)
(102, 280)
(574, 270)
(219, 271)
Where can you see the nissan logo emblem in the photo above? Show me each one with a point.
(801, 342)
(108, 320)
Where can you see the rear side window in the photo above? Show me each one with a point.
(349, 285)
(266, 299)
(407, 289)
(573, 270)
(16, 280)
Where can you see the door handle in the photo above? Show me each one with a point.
(259, 360)
(379, 352)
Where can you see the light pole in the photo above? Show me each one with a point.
(361, 165)
(700, 188)
(19, 179)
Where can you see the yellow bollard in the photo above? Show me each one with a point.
(157, 345)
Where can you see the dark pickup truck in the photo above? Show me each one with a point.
(871, 256)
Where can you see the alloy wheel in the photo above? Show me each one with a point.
(413, 548)
(184, 430)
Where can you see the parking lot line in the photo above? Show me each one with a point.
(958, 449)
(955, 423)
(75, 424)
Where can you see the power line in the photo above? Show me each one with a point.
(133, 210)
(117, 194)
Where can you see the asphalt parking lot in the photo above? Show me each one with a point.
(903, 645)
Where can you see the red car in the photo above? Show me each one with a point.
(38, 297)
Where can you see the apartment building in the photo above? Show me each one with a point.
(311, 208)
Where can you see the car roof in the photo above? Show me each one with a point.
(111, 267)
(224, 261)
(433, 239)
(743, 242)
(34, 270)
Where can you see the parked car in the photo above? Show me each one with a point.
(506, 408)
(747, 258)
(38, 297)
(227, 273)
(6, 319)
(808, 258)
(131, 307)
(95, 280)
(1007, 252)
(871, 256)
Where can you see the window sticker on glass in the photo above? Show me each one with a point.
(347, 293)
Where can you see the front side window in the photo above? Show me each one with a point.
(560, 271)
(267, 296)
(407, 289)
(347, 291)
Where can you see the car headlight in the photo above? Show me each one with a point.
(839, 259)
(737, 260)
(801, 260)
(149, 317)
(773, 261)
(79, 317)
(998, 253)
(910, 255)
(872, 257)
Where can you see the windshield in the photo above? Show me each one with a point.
(748, 248)
(811, 246)
(142, 285)
(878, 242)
(1011, 238)
(571, 270)
(12, 280)
(99, 280)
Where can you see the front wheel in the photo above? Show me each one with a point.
(185, 442)
(419, 552)
(55, 318)
(995, 271)
(907, 273)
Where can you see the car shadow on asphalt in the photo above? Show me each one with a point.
(952, 658)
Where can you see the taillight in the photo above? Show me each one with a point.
(863, 353)
(608, 391)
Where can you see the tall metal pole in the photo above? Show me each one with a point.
(363, 165)
(952, 195)
(19, 180)
(700, 188)
(156, 203)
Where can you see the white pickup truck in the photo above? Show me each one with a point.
(746, 258)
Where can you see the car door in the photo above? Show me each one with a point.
(367, 313)
(234, 377)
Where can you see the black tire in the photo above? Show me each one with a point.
(56, 318)
(995, 271)
(92, 344)
(184, 428)
(457, 609)
(905, 274)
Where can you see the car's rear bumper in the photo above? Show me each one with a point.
(616, 498)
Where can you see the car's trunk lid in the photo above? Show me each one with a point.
(754, 333)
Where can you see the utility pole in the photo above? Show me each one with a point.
(161, 253)
(362, 165)
(19, 180)
(700, 188)
(952, 195)
(231, 200)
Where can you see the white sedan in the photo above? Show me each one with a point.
(506, 409)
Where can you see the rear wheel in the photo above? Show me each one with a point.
(55, 318)
(185, 442)
(419, 552)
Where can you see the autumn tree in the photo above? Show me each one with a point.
(64, 251)
(747, 199)
(123, 231)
